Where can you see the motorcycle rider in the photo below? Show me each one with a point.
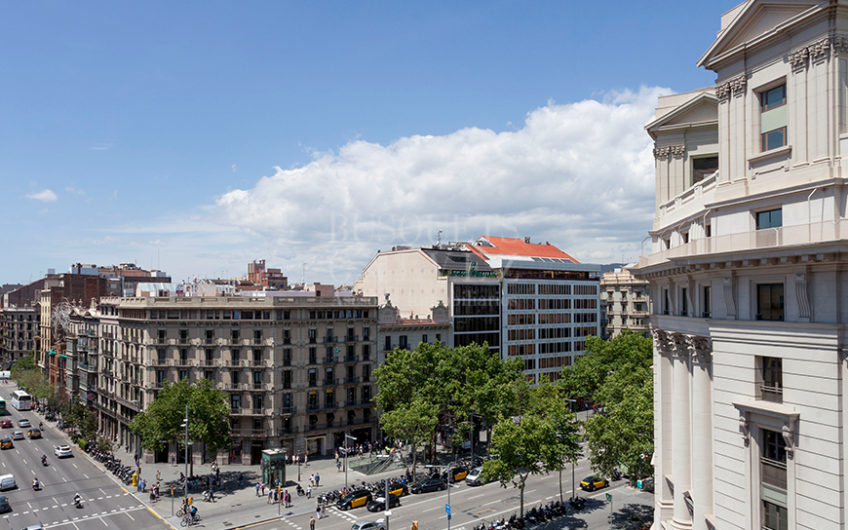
(35, 483)
(77, 500)
(43, 459)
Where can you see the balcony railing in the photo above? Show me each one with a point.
(285, 411)
(771, 393)
(753, 240)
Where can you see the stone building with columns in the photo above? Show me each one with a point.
(747, 275)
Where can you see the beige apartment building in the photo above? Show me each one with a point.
(297, 371)
(625, 301)
(18, 333)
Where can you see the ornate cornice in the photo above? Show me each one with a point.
(663, 152)
(735, 85)
(818, 50)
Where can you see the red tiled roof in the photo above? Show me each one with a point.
(510, 246)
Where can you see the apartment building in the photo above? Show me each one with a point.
(746, 277)
(18, 333)
(297, 370)
(625, 302)
(396, 331)
(522, 299)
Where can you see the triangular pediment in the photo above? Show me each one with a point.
(701, 107)
(757, 20)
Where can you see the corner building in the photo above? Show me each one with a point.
(747, 275)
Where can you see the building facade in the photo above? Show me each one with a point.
(746, 275)
(18, 333)
(625, 301)
(395, 331)
(522, 299)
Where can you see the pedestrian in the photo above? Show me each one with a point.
(311, 479)
(309, 491)
(305, 459)
(241, 480)
(263, 488)
(270, 495)
(312, 522)
(257, 489)
(318, 512)
(323, 510)
(217, 474)
(317, 479)
(158, 475)
(286, 499)
(339, 466)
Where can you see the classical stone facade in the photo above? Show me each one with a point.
(625, 302)
(297, 371)
(747, 275)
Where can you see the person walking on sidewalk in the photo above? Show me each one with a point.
(270, 495)
(312, 522)
(257, 489)
(317, 479)
(309, 491)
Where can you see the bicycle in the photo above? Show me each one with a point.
(188, 520)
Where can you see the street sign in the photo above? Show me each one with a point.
(609, 497)
(447, 509)
(388, 513)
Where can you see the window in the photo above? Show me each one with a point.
(208, 354)
(234, 377)
(402, 342)
(771, 370)
(708, 230)
(707, 302)
(388, 345)
(235, 335)
(770, 301)
(257, 379)
(665, 307)
(287, 356)
(313, 377)
(685, 237)
(703, 167)
(770, 219)
(773, 118)
(313, 335)
(424, 338)
(235, 402)
(236, 355)
(287, 379)
(774, 516)
(684, 301)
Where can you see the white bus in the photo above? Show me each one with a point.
(21, 400)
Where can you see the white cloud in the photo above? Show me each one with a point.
(43, 196)
(579, 175)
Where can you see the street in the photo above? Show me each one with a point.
(105, 503)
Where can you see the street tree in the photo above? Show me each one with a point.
(618, 375)
(414, 422)
(542, 439)
(208, 413)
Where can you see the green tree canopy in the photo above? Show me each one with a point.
(208, 414)
(618, 375)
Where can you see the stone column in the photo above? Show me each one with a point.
(681, 472)
(702, 436)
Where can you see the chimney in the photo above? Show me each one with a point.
(527, 239)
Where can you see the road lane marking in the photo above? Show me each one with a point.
(493, 502)
(477, 496)
(529, 491)
(29, 506)
(54, 500)
(75, 466)
(130, 516)
(104, 522)
(65, 479)
(431, 509)
(75, 525)
(86, 476)
(101, 491)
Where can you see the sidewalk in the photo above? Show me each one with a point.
(235, 504)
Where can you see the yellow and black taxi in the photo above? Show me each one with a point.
(355, 500)
(457, 474)
(592, 483)
(34, 433)
(398, 489)
(6, 443)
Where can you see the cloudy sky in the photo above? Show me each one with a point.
(195, 137)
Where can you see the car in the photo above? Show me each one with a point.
(457, 474)
(34, 433)
(6, 443)
(475, 477)
(63, 451)
(431, 484)
(6, 424)
(398, 489)
(379, 503)
(24, 423)
(593, 483)
(367, 525)
(18, 435)
(34, 527)
(355, 500)
(4, 505)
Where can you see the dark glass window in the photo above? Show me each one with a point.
(702, 167)
(773, 98)
(774, 139)
(770, 301)
(770, 219)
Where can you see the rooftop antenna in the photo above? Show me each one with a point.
(303, 274)
(439, 239)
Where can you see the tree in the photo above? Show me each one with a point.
(208, 414)
(541, 440)
(618, 375)
(447, 384)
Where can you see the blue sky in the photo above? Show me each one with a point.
(197, 136)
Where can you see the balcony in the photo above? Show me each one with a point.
(251, 433)
(352, 338)
(769, 238)
(318, 426)
(288, 411)
(330, 381)
(351, 380)
(351, 358)
(329, 360)
(290, 430)
(329, 339)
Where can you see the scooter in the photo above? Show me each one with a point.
(77, 502)
(44, 461)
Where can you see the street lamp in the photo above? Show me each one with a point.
(185, 425)
(345, 455)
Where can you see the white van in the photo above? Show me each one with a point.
(7, 482)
